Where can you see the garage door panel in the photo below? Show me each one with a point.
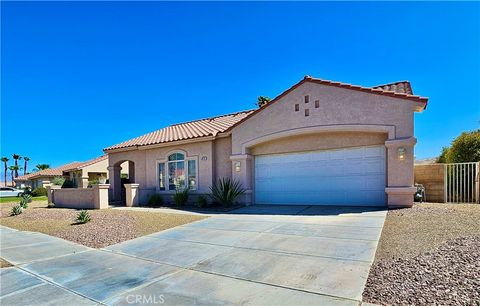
(354, 176)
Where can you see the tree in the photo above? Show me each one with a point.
(5, 168)
(42, 166)
(464, 148)
(25, 159)
(13, 169)
(16, 158)
(261, 101)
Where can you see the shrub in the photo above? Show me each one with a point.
(201, 202)
(26, 198)
(39, 192)
(16, 210)
(180, 197)
(83, 217)
(68, 184)
(155, 200)
(93, 182)
(464, 148)
(58, 181)
(226, 191)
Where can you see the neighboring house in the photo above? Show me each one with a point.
(80, 173)
(37, 179)
(317, 143)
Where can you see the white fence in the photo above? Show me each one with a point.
(462, 182)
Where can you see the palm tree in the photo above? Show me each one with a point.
(42, 166)
(261, 101)
(13, 169)
(25, 159)
(5, 168)
(16, 158)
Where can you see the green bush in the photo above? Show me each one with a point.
(464, 148)
(226, 191)
(155, 200)
(93, 182)
(39, 192)
(58, 181)
(83, 217)
(16, 210)
(201, 201)
(180, 197)
(26, 198)
(68, 184)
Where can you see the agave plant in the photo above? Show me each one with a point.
(226, 191)
(26, 198)
(16, 210)
(83, 217)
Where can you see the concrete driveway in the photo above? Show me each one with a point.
(256, 255)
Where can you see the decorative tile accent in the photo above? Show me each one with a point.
(297, 107)
(307, 112)
(307, 99)
(317, 103)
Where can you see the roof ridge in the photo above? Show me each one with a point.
(392, 83)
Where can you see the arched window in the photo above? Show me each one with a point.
(177, 171)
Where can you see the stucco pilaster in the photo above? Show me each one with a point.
(114, 179)
(242, 171)
(400, 175)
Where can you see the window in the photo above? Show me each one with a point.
(317, 103)
(297, 107)
(177, 172)
(307, 99)
(307, 112)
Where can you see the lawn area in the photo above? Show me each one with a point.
(107, 227)
(428, 254)
(17, 199)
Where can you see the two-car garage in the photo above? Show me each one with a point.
(350, 176)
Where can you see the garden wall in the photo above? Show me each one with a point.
(80, 198)
(432, 178)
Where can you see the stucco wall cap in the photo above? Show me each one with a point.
(407, 142)
(400, 190)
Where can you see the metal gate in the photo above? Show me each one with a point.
(462, 182)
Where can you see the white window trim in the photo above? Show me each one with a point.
(165, 162)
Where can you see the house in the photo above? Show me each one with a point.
(318, 143)
(37, 179)
(81, 174)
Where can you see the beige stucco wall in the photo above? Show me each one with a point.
(324, 141)
(78, 198)
(372, 118)
(222, 163)
(146, 161)
(432, 178)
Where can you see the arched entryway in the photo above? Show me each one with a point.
(121, 173)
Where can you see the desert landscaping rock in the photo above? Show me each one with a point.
(107, 226)
(449, 275)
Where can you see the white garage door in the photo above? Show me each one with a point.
(354, 176)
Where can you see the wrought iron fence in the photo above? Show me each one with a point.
(462, 182)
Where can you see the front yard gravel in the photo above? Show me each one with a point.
(107, 226)
(428, 255)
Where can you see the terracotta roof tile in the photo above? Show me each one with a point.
(188, 130)
(398, 87)
(213, 126)
(49, 172)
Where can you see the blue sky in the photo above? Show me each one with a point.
(80, 76)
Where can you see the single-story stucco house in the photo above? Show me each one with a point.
(80, 173)
(319, 143)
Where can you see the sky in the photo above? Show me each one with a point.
(77, 77)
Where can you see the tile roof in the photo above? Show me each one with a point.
(398, 87)
(213, 126)
(88, 163)
(189, 130)
(49, 172)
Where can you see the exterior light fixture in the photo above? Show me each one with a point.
(401, 153)
(237, 166)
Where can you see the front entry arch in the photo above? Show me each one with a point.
(122, 172)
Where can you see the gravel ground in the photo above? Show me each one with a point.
(107, 226)
(428, 255)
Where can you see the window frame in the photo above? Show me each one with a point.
(165, 162)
